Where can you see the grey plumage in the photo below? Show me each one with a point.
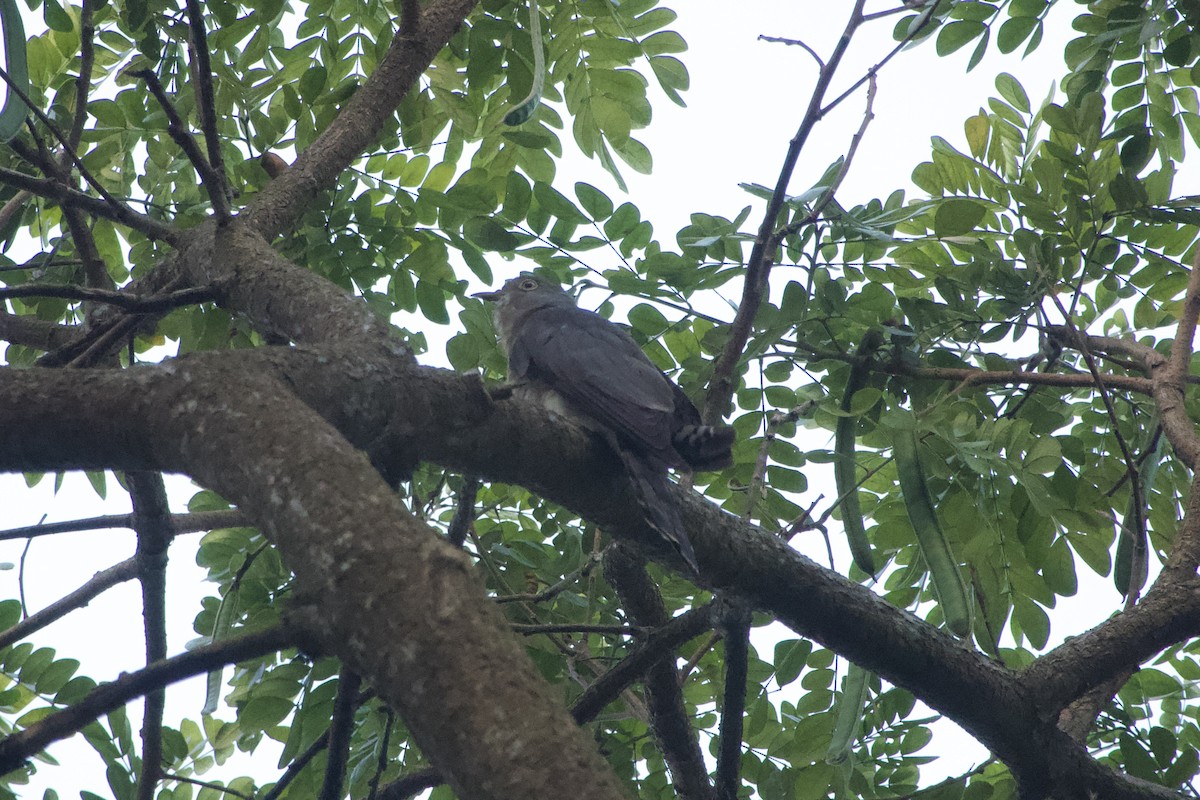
(560, 352)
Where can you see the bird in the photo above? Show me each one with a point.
(580, 365)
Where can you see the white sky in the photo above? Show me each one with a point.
(747, 98)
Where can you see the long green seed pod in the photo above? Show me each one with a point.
(844, 464)
(943, 568)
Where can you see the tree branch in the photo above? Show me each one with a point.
(214, 181)
(18, 747)
(625, 569)
(65, 196)
(133, 303)
(365, 115)
(152, 521)
(762, 254)
(98, 584)
(340, 730)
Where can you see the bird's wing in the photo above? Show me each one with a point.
(602, 373)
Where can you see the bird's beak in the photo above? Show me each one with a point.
(491, 296)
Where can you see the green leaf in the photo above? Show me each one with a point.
(957, 34)
(594, 201)
(957, 216)
(56, 18)
(1012, 91)
(487, 234)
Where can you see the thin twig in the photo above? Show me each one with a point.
(758, 267)
(127, 302)
(62, 140)
(97, 585)
(205, 97)
(182, 523)
(64, 196)
(619, 630)
(793, 43)
(214, 183)
(171, 776)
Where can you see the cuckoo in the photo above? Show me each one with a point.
(584, 367)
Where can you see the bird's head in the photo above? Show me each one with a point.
(520, 296)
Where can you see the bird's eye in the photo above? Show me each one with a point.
(529, 284)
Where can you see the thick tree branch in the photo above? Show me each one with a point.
(452, 421)
(365, 116)
(625, 569)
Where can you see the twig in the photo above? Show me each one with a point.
(64, 196)
(827, 196)
(214, 183)
(793, 43)
(218, 190)
(569, 580)
(133, 303)
(216, 787)
(15, 749)
(83, 81)
(68, 151)
(97, 585)
(1131, 469)
(619, 630)
(758, 268)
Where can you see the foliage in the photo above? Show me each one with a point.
(1031, 462)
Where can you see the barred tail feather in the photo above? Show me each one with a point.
(704, 447)
(651, 488)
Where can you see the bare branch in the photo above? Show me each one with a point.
(128, 302)
(340, 729)
(66, 196)
(213, 180)
(152, 521)
(24, 744)
(68, 151)
(762, 254)
(181, 523)
(97, 585)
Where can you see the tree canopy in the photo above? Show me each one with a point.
(984, 391)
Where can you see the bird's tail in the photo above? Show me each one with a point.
(652, 489)
(704, 447)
